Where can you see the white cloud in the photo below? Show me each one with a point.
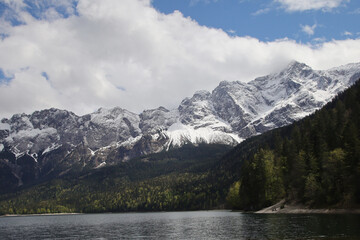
(125, 53)
(231, 31)
(14, 4)
(309, 30)
(347, 33)
(356, 11)
(303, 5)
(319, 40)
(261, 11)
(194, 2)
(39, 8)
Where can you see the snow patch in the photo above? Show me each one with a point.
(322, 96)
(180, 134)
(34, 156)
(103, 164)
(114, 117)
(19, 154)
(52, 148)
(130, 142)
(31, 133)
(91, 152)
(301, 115)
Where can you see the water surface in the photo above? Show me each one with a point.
(182, 225)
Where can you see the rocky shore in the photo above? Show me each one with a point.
(294, 208)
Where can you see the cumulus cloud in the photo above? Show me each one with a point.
(309, 30)
(303, 5)
(125, 53)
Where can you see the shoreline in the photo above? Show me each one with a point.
(292, 208)
(38, 214)
(130, 212)
(274, 209)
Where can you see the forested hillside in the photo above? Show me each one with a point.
(179, 179)
(315, 161)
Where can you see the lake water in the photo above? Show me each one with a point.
(181, 225)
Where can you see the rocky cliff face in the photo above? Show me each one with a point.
(53, 142)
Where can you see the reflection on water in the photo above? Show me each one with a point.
(181, 225)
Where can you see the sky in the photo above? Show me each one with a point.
(81, 55)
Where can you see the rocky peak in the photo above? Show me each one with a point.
(230, 102)
(20, 122)
(295, 67)
(201, 95)
(231, 112)
(151, 121)
(55, 118)
(195, 109)
(109, 126)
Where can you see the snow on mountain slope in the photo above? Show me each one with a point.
(108, 126)
(155, 120)
(180, 134)
(279, 99)
(199, 122)
(233, 111)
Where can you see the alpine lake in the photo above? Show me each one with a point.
(182, 225)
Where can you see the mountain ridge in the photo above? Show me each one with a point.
(232, 112)
(314, 161)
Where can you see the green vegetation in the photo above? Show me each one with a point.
(174, 180)
(315, 161)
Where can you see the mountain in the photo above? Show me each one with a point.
(171, 180)
(55, 142)
(315, 161)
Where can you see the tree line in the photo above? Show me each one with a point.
(315, 161)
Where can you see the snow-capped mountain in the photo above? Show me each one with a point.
(54, 141)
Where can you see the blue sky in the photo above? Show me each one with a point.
(81, 55)
(268, 21)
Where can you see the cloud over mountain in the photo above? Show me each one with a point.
(86, 54)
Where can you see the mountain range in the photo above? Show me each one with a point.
(55, 142)
(311, 163)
